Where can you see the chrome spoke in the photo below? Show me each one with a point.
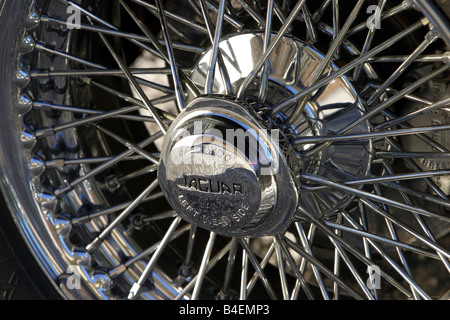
(382, 106)
(187, 262)
(45, 132)
(52, 52)
(310, 27)
(267, 37)
(307, 248)
(225, 291)
(413, 285)
(244, 275)
(215, 49)
(134, 84)
(362, 151)
(300, 281)
(61, 191)
(321, 267)
(62, 162)
(399, 58)
(406, 228)
(41, 105)
(352, 269)
(415, 168)
(118, 270)
(139, 41)
(212, 262)
(395, 243)
(98, 73)
(252, 12)
(318, 14)
(258, 269)
(368, 41)
(170, 54)
(405, 5)
(298, 274)
(336, 24)
(132, 100)
(411, 155)
(420, 220)
(367, 195)
(372, 135)
(281, 271)
(253, 74)
(394, 235)
(220, 61)
(412, 115)
(355, 252)
(235, 23)
(168, 14)
(203, 266)
(134, 291)
(107, 231)
(430, 37)
(394, 177)
(337, 261)
(134, 38)
(129, 145)
(268, 255)
(332, 52)
(111, 210)
(319, 84)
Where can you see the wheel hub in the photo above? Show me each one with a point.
(218, 185)
(221, 170)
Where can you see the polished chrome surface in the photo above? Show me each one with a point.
(224, 172)
(293, 65)
(371, 229)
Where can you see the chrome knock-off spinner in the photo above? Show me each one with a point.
(221, 170)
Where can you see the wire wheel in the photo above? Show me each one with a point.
(122, 173)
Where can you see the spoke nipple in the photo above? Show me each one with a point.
(85, 80)
(134, 291)
(24, 103)
(44, 132)
(46, 200)
(33, 19)
(222, 295)
(432, 35)
(101, 280)
(23, 77)
(184, 275)
(446, 57)
(36, 166)
(63, 190)
(112, 183)
(28, 45)
(425, 21)
(91, 247)
(63, 224)
(407, 4)
(117, 271)
(28, 139)
(82, 257)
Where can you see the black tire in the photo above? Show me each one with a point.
(21, 278)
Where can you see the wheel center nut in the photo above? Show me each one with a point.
(221, 170)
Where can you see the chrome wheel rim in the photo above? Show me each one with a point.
(390, 216)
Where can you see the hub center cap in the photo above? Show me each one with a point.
(221, 170)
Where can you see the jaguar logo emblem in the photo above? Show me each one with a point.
(210, 185)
